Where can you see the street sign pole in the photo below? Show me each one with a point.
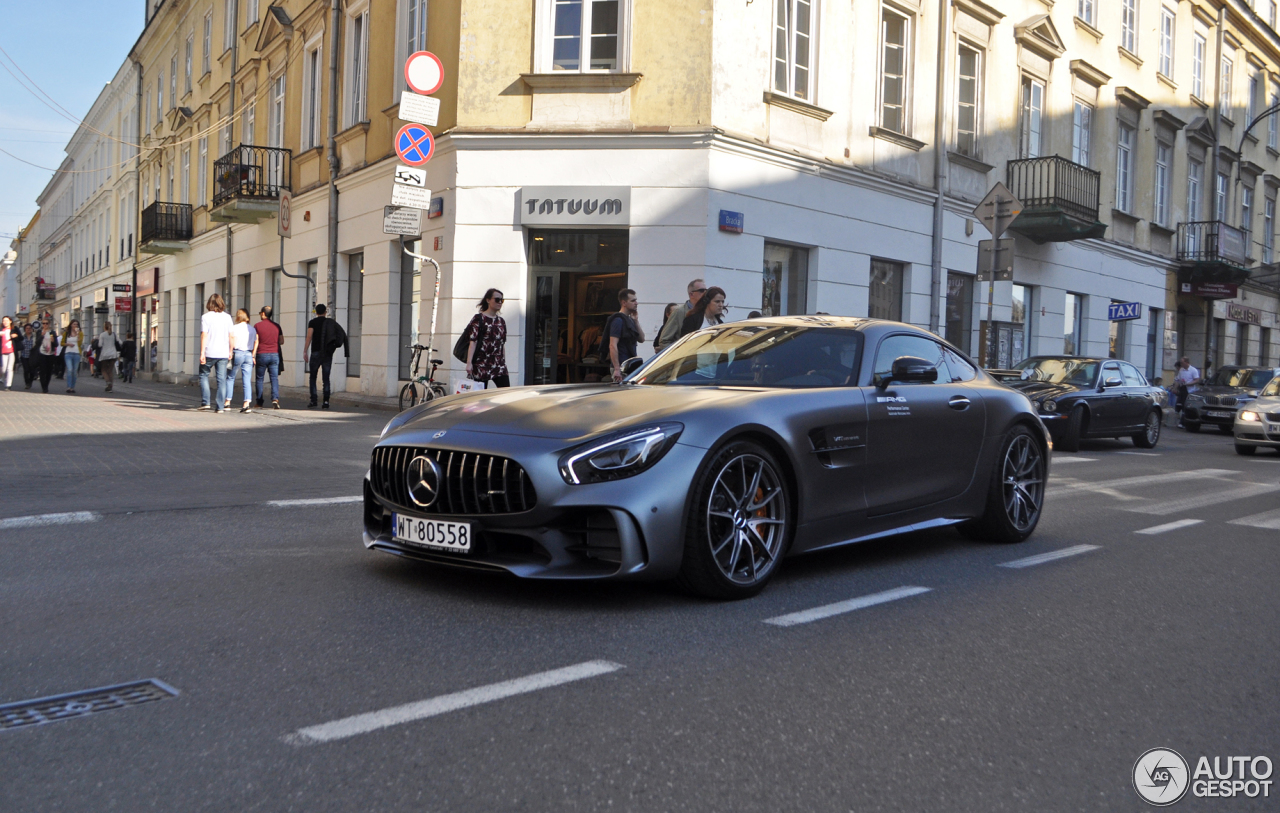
(996, 211)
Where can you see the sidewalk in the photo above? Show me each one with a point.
(290, 397)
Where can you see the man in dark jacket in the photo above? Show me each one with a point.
(28, 355)
(128, 357)
(46, 354)
(324, 337)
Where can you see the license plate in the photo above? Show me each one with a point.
(437, 534)
(1218, 413)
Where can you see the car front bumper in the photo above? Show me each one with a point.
(1257, 433)
(1218, 416)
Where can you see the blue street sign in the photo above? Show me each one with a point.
(414, 144)
(1120, 311)
(731, 221)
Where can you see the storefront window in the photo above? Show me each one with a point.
(1071, 324)
(786, 280)
(959, 310)
(1119, 337)
(1020, 315)
(884, 298)
(355, 312)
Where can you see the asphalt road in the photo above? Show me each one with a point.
(995, 689)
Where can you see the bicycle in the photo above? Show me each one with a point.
(421, 388)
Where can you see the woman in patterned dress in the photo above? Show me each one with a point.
(487, 333)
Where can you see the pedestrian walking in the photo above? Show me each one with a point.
(10, 344)
(324, 337)
(623, 332)
(128, 358)
(270, 342)
(28, 354)
(46, 355)
(72, 348)
(707, 312)
(244, 341)
(487, 342)
(215, 352)
(666, 320)
(108, 351)
(674, 327)
(1185, 382)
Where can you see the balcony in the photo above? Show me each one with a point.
(1059, 199)
(1211, 252)
(166, 228)
(247, 183)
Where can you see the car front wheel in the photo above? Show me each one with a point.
(739, 527)
(1246, 450)
(1150, 434)
(1015, 497)
(1074, 432)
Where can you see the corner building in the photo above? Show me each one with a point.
(585, 146)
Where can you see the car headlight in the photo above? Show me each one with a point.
(1049, 405)
(617, 456)
(1250, 416)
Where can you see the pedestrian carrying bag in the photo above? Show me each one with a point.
(461, 345)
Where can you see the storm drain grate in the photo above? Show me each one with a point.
(77, 704)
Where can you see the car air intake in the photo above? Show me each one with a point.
(470, 483)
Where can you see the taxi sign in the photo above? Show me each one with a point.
(415, 144)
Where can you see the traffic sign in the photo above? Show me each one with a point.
(402, 195)
(404, 220)
(1003, 260)
(1121, 311)
(422, 109)
(998, 209)
(424, 72)
(411, 176)
(284, 219)
(415, 144)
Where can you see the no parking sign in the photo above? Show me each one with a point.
(415, 144)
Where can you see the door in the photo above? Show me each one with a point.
(1137, 400)
(543, 329)
(923, 440)
(1109, 407)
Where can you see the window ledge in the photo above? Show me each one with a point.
(1125, 216)
(1230, 122)
(572, 81)
(1088, 29)
(897, 138)
(969, 161)
(306, 153)
(1129, 55)
(797, 106)
(1253, 139)
(1166, 81)
(1156, 227)
(1273, 152)
(1198, 101)
(354, 131)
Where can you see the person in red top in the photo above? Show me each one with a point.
(270, 339)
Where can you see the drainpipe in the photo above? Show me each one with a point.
(939, 170)
(231, 127)
(1215, 115)
(332, 276)
(137, 213)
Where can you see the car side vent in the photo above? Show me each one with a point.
(470, 483)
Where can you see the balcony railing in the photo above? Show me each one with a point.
(166, 222)
(1212, 241)
(249, 172)
(1054, 184)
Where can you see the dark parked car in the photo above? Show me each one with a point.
(1215, 403)
(735, 447)
(1081, 398)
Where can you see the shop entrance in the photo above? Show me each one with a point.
(574, 284)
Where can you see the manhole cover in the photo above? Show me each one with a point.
(77, 704)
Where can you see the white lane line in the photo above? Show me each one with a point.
(1057, 460)
(1267, 519)
(1170, 526)
(422, 709)
(315, 501)
(1049, 557)
(828, 610)
(1184, 504)
(1141, 454)
(1145, 480)
(40, 520)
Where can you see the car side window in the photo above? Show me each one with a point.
(1132, 378)
(961, 370)
(895, 347)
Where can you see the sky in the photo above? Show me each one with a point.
(71, 48)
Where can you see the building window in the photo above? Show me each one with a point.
(203, 172)
(229, 24)
(959, 329)
(147, 107)
(186, 176)
(1225, 109)
(1198, 50)
(247, 121)
(786, 280)
(417, 28)
(1246, 218)
(1084, 10)
(1072, 324)
(1124, 168)
(160, 97)
(968, 94)
(1164, 165)
(311, 80)
(1272, 124)
(1118, 343)
(1242, 343)
(206, 43)
(357, 64)
(591, 25)
(1269, 230)
(1166, 41)
(1271, 14)
(252, 13)
(1251, 103)
(884, 298)
(355, 312)
(275, 135)
(1029, 126)
(1129, 25)
(173, 82)
(191, 47)
(1020, 312)
(1220, 198)
(895, 77)
(1081, 133)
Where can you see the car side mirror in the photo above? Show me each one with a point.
(910, 370)
(631, 365)
(1112, 382)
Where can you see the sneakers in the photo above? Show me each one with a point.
(312, 405)
(203, 408)
(245, 408)
(325, 405)
(275, 404)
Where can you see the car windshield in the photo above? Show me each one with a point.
(1241, 377)
(1059, 371)
(1273, 389)
(758, 355)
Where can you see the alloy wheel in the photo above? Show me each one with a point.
(1022, 477)
(1153, 428)
(746, 519)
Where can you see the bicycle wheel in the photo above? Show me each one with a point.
(410, 395)
(437, 390)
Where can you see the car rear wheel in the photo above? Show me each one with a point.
(1075, 430)
(1191, 426)
(1150, 434)
(1245, 450)
(1015, 497)
(739, 527)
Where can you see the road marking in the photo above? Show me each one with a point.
(315, 501)
(828, 610)
(1170, 526)
(1049, 557)
(1145, 480)
(1267, 519)
(1239, 492)
(422, 709)
(41, 520)
(1141, 454)
(1056, 460)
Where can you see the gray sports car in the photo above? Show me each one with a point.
(737, 446)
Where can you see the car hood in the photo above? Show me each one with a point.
(1040, 390)
(1220, 389)
(569, 411)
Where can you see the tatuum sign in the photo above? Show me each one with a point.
(575, 206)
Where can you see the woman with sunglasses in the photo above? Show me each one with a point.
(487, 337)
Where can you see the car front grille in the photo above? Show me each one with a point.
(1273, 416)
(1211, 400)
(1228, 400)
(470, 483)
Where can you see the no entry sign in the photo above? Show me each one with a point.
(414, 144)
(424, 72)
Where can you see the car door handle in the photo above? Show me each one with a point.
(959, 402)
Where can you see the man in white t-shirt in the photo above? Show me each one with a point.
(1184, 383)
(215, 351)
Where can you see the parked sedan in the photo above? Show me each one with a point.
(1258, 425)
(738, 446)
(1215, 403)
(1081, 398)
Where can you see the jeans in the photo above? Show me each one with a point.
(268, 363)
(318, 363)
(73, 368)
(242, 368)
(219, 368)
(126, 371)
(6, 368)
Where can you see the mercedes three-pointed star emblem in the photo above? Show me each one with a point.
(423, 480)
